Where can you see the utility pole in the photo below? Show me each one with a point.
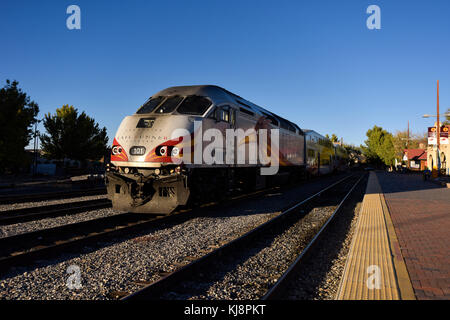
(438, 123)
(35, 150)
(438, 131)
(36, 147)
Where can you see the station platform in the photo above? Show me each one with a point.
(400, 248)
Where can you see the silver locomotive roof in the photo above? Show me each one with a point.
(218, 95)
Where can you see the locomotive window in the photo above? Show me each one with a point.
(291, 127)
(225, 115)
(194, 105)
(299, 131)
(285, 124)
(151, 104)
(169, 105)
(271, 118)
(214, 114)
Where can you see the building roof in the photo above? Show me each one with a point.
(416, 154)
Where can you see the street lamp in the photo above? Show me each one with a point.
(446, 114)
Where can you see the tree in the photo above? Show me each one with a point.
(447, 117)
(17, 115)
(354, 152)
(379, 148)
(73, 136)
(402, 142)
(334, 138)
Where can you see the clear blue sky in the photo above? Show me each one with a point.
(313, 62)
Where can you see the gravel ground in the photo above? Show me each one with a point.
(270, 258)
(248, 274)
(142, 257)
(12, 206)
(34, 225)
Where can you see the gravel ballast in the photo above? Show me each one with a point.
(142, 258)
(116, 266)
(320, 275)
(250, 279)
(32, 204)
(47, 223)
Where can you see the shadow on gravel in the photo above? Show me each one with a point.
(316, 279)
(197, 285)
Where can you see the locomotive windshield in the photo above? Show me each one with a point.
(151, 104)
(169, 105)
(192, 105)
(195, 105)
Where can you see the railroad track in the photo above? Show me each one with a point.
(19, 198)
(24, 249)
(186, 278)
(56, 210)
(279, 289)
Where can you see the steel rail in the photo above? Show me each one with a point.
(155, 289)
(278, 289)
(55, 210)
(57, 240)
(23, 249)
(29, 197)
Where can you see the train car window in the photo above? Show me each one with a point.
(195, 105)
(150, 105)
(169, 105)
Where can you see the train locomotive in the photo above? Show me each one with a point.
(155, 166)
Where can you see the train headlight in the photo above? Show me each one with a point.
(116, 150)
(175, 151)
(162, 151)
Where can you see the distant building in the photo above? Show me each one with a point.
(444, 150)
(415, 159)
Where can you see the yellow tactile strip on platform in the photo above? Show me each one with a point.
(369, 272)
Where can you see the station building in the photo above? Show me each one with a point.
(415, 159)
(444, 151)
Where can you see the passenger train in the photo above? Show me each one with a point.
(322, 155)
(154, 165)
